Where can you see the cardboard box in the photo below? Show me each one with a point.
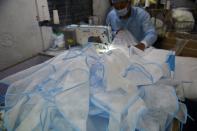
(183, 44)
(182, 35)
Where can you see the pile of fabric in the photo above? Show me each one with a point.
(184, 20)
(122, 89)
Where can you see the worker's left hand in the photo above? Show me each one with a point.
(140, 46)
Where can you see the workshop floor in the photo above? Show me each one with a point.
(17, 68)
(24, 65)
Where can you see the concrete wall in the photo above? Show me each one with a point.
(73, 11)
(20, 35)
(100, 8)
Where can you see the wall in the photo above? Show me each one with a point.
(20, 35)
(100, 8)
(71, 11)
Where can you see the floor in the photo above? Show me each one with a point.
(17, 68)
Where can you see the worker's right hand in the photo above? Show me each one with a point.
(119, 30)
(140, 46)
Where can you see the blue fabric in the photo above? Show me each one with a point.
(171, 62)
(139, 24)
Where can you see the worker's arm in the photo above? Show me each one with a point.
(111, 21)
(150, 35)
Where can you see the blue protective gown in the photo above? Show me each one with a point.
(139, 24)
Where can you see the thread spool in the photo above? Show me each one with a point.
(168, 4)
(56, 17)
(147, 3)
(93, 20)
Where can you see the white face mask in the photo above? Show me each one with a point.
(122, 12)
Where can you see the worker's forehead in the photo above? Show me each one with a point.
(120, 5)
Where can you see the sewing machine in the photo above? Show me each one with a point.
(96, 34)
(100, 36)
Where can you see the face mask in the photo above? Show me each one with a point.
(122, 12)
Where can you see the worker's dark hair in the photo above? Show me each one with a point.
(111, 3)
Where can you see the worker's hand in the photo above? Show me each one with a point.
(121, 29)
(140, 46)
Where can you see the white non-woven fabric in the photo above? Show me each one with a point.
(61, 74)
(52, 119)
(143, 69)
(134, 113)
(153, 60)
(115, 63)
(26, 85)
(186, 71)
(162, 104)
(148, 123)
(161, 97)
(62, 90)
(138, 75)
(124, 37)
(74, 105)
(176, 84)
(18, 117)
(32, 118)
(185, 16)
(121, 105)
(159, 58)
(117, 101)
(181, 115)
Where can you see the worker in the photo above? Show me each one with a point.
(135, 19)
